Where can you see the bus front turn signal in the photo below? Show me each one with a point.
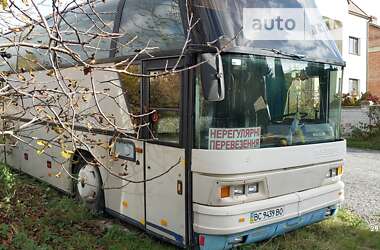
(224, 192)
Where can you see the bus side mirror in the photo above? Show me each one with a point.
(212, 77)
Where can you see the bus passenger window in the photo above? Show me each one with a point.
(152, 23)
(95, 18)
(165, 98)
(132, 91)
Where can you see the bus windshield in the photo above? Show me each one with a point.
(230, 24)
(270, 102)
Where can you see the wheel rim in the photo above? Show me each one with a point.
(89, 183)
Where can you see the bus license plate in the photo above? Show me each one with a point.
(266, 214)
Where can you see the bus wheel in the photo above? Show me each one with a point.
(88, 188)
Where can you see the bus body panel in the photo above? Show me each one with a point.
(13, 154)
(165, 196)
(236, 219)
(122, 196)
(110, 97)
(206, 188)
(42, 166)
(266, 159)
(112, 104)
(218, 242)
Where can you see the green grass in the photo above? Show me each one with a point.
(34, 216)
(345, 232)
(372, 143)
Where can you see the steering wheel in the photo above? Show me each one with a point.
(303, 115)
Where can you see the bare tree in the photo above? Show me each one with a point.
(55, 75)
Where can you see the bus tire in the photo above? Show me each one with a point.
(88, 188)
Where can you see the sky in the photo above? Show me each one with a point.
(44, 6)
(371, 7)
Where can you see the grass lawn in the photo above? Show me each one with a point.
(35, 216)
(372, 143)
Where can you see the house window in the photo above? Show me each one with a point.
(354, 46)
(354, 87)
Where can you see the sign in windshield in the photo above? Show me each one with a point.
(234, 138)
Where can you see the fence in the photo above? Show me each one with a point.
(354, 117)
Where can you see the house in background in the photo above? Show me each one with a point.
(374, 59)
(356, 52)
(349, 26)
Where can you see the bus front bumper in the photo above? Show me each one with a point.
(227, 227)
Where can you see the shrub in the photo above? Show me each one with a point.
(366, 131)
(7, 183)
(371, 98)
(348, 100)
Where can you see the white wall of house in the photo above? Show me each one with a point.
(352, 26)
(356, 64)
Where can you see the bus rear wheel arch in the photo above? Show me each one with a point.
(88, 184)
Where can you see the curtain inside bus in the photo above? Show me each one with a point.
(226, 21)
(277, 90)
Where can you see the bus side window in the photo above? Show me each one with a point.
(165, 98)
(30, 59)
(132, 90)
(95, 19)
(152, 23)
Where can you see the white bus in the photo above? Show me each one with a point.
(240, 149)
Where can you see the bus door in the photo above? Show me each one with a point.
(164, 150)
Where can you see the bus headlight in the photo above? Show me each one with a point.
(238, 190)
(253, 188)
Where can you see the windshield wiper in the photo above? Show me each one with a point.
(279, 52)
